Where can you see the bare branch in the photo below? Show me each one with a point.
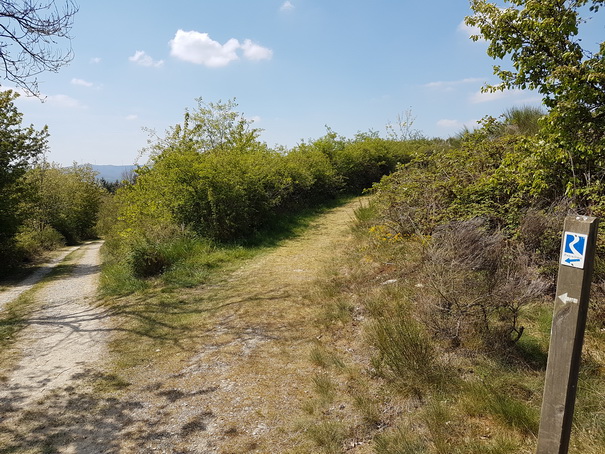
(30, 34)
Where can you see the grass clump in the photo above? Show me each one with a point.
(400, 440)
(405, 353)
(328, 436)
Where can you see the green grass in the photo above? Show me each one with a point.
(189, 261)
(400, 440)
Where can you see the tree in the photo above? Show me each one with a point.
(541, 39)
(19, 147)
(66, 199)
(29, 33)
(212, 127)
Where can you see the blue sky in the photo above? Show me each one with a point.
(292, 66)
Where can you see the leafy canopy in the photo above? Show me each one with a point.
(541, 38)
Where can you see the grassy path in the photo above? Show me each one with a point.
(239, 385)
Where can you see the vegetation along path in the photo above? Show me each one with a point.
(222, 368)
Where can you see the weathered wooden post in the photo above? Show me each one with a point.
(567, 333)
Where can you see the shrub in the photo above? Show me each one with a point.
(32, 242)
(476, 283)
(153, 256)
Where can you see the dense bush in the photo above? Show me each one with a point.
(19, 147)
(489, 208)
(211, 176)
(34, 240)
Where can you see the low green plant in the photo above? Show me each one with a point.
(441, 424)
(33, 242)
(117, 279)
(322, 357)
(368, 406)
(324, 387)
(504, 405)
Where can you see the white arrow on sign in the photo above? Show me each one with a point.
(567, 299)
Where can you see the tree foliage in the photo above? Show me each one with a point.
(29, 33)
(64, 199)
(20, 146)
(541, 38)
(211, 127)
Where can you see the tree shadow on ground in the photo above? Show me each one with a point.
(81, 420)
(85, 421)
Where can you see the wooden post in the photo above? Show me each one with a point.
(567, 333)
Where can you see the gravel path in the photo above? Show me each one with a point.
(25, 285)
(64, 338)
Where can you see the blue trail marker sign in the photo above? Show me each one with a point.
(574, 249)
(567, 333)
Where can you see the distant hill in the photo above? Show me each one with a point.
(111, 173)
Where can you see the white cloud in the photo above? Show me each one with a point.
(456, 125)
(199, 48)
(450, 85)
(469, 30)
(253, 51)
(286, 6)
(450, 124)
(55, 100)
(81, 83)
(132, 117)
(95, 60)
(141, 58)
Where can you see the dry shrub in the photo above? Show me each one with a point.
(476, 282)
(540, 233)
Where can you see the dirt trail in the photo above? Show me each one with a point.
(236, 385)
(62, 340)
(27, 283)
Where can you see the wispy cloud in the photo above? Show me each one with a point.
(456, 125)
(95, 60)
(520, 96)
(470, 30)
(253, 51)
(82, 83)
(286, 6)
(199, 48)
(450, 124)
(141, 58)
(132, 117)
(63, 101)
(452, 84)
